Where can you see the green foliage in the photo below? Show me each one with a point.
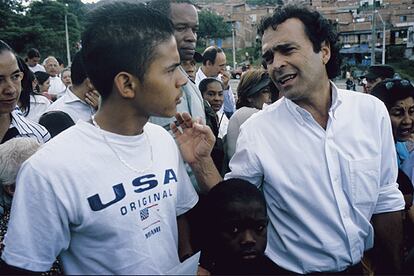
(41, 25)
(212, 26)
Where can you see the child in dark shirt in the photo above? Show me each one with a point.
(237, 226)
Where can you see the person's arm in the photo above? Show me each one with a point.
(387, 216)
(196, 141)
(389, 233)
(184, 236)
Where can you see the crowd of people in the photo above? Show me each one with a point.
(132, 159)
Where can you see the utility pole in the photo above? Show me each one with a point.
(373, 35)
(383, 38)
(233, 34)
(67, 34)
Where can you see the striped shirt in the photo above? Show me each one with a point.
(23, 127)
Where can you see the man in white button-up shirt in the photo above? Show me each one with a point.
(324, 157)
(214, 66)
(81, 100)
(328, 161)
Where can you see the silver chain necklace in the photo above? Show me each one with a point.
(126, 164)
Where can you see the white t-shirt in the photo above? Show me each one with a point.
(321, 186)
(37, 67)
(73, 106)
(75, 199)
(57, 87)
(38, 106)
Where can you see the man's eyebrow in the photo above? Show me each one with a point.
(17, 71)
(182, 24)
(278, 48)
(173, 66)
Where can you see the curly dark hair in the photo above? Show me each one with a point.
(317, 28)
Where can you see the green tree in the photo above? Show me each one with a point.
(212, 26)
(41, 25)
(49, 17)
(11, 20)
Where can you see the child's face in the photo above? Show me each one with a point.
(242, 231)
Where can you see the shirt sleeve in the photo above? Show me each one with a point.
(186, 195)
(390, 198)
(38, 228)
(229, 101)
(245, 163)
(232, 134)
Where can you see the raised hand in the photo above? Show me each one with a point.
(92, 98)
(194, 139)
(225, 78)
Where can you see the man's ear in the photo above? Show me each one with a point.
(326, 52)
(126, 84)
(209, 63)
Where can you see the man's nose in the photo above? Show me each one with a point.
(182, 78)
(248, 238)
(190, 35)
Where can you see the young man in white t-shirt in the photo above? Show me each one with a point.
(109, 196)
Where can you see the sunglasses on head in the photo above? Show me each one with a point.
(390, 84)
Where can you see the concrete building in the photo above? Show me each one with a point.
(354, 20)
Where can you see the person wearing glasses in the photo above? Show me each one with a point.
(398, 97)
(12, 121)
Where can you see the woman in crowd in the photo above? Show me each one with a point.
(398, 97)
(31, 104)
(254, 91)
(65, 75)
(43, 83)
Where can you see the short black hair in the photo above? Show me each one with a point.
(210, 54)
(60, 61)
(121, 37)
(317, 28)
(232, 190)
(5, 47)
(41, 76)
(77, 70)
(164, 6)
(202, 86)
(32, 53)
(56, 121)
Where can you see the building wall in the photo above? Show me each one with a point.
(353, 19)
